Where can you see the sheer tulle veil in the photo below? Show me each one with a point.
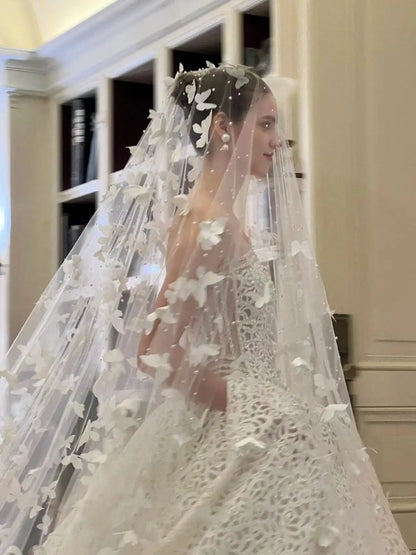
(143, 312)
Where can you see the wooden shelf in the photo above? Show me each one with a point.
(77, 193)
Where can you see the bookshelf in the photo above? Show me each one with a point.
(78, 177)
(74, 216)
(132, 98)
(194, 53)
(256, 38)
(123, 92)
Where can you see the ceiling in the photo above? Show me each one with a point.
(27, 24)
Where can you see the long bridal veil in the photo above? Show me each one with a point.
(149, 269)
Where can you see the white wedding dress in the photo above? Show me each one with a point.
(268, 476)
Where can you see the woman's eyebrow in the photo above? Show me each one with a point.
(270, 118)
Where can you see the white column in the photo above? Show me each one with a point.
(104, 125)
(304, 131)
(4, 219)
(163, 68)
(232, 37)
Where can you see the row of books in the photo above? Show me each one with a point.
(83, 141)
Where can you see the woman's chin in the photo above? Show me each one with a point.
(260, 173)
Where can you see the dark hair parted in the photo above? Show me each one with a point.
(234, 90)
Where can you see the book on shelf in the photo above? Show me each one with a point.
(82, 125)
(70, 235)
(92, 167)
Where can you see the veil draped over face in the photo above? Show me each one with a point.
(195, 278)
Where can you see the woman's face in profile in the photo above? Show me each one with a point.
(258, 135)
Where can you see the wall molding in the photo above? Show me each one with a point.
(386, 362)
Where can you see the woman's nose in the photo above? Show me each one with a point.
(275, 142)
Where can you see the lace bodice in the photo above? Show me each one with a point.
(255, 312)
(240, 317)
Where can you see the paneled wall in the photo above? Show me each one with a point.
(362, 83)
(31, 164)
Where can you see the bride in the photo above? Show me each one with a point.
(178, 387)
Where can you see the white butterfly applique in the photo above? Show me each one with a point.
(135, 191)
(219, 322)
(190, 91)
(326, 535)
(113, 356)
(195, 170)
(200, 99)
(71, 264)
(182, 203)
(200, 354)
(40, 358)
(250, 446)
(106, 232)
(266, 296)
(22, 456)
(164, 314)
(209, 235)
(8, 376)
(239, 75)
(88, 434)
(133, 149)
(78, 408)
(180, 289)
(73, 459)
(161, 364)
(331, 411)
(299, 363)
(204, 280)
(138, 193)
(94, 456)
(158, 126)
(169, 82)
(46, 522)
(128, 538)
(183, 288)
(324, 385)
(297, 247)
(169, 179)
(203, 130)
(210, 65)
(13, 550)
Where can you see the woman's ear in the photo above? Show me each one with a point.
(220, 124)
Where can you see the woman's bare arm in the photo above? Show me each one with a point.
(198, 383)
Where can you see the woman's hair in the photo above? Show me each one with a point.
(233, 90)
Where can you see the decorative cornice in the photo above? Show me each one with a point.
(22, 72)
(125, 28)
(120, 37)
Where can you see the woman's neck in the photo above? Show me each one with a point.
(213, 184)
